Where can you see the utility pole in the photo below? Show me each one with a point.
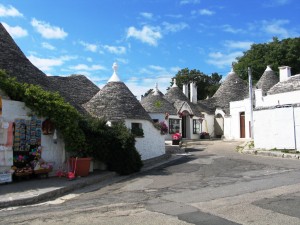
(251, 103)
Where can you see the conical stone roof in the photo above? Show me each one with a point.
(174, 93)
(15, 63)
(115, 102)
(267, 80)
(155, 103)
(292, 84)
(78, 87)
(232, 89)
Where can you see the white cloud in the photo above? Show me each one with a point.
(148, 34)
(48, 46)
(85, 67)
(169, 27)
(47, 31)
(140, 86)
(9, 11)
(89, 59)
(203, 12)
(185, 2)
(221, 60)
(158, 68)
(276, 3)
(275, 27)
(245, 45)
(45, 64)
(115, 49)
(206, 12)
(15, 32)
(122, 60)
(228, 28)
(148, 77)
(88, 46)
(146, 15)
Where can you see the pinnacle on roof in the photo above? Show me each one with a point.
(267, 80)
(114, 77)
(174, 84)
(156, 91)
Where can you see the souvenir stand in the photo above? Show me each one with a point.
(27, 150)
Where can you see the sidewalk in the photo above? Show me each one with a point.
(247, 148)
(32, 191)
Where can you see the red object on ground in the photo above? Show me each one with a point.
(176, 136)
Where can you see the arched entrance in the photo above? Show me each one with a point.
(219, 125)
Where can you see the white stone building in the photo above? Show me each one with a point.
(177, 110)
(115, 102)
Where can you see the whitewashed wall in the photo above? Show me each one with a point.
(277, 99)
(152, 144)
(208, 123)
(158, 116)
(277, 128)
(51, 152)
(232, 122)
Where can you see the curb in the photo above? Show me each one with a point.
(271, 154)
(55, 193)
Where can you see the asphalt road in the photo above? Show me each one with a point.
(212, 185)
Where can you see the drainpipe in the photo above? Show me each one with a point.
(295, 137)
(251, 103)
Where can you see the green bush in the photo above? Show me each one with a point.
(123, 156)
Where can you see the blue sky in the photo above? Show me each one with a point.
(150, 40)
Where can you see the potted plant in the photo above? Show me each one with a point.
(81, 161)
(176, 138)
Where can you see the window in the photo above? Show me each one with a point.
(174, 126)
(137, 129)
(155, 120)
(196, 126)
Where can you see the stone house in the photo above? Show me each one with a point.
(176, 110)
(115, 102)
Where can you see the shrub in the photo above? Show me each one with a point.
(123, 156)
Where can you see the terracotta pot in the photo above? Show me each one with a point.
(82, 166)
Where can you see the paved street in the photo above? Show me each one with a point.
(213, 184)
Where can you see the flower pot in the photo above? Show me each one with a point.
(175, 142)
(82, 166)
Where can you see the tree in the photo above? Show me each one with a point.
(147, 93)
(206, 85)
(276, 53)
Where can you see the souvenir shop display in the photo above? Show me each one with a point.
(27, 149)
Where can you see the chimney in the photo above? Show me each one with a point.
(193, 93)
(284, 73)
(185, 90)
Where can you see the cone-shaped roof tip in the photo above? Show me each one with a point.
(268, 68)
(174, 84)
(114, 77)
(156, 90)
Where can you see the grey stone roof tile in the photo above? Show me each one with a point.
(292, 84)
(267, 80)
(115, 102)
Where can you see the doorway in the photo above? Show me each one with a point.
(183, 126)
(242, 125)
